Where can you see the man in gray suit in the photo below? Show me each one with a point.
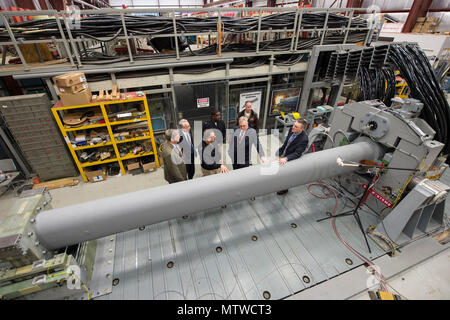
(174, 166)
(241, 143)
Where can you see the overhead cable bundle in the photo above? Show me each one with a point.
(103, 25)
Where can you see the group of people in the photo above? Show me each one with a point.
(179, 152)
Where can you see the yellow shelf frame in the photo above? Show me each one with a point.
(115, 123)
(132, 156)
(108, 125)
(86, 127)
(95, 163)
(134, 139)
(98, 145)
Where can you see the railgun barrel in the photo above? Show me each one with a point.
(70, 225)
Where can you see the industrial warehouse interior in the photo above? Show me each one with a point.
(224, 150)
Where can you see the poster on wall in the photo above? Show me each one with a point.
(254, 97)
(284, 100)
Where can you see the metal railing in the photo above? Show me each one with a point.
(71, 43)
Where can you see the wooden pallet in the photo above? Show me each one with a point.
(14, 67)
(59, 183)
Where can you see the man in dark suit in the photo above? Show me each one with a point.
(218, 125)
(187, 146)
(241, 143)
(294, 145)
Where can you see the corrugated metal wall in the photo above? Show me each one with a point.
(157, 3)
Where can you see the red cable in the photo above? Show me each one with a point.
(335, 229)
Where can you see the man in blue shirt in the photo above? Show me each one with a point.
(294, 145)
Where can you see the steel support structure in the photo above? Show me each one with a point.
(13, 151)
(418, 9)
(309, 83)
(170, 63)
(72, 42)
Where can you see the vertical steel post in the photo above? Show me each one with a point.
(126, 37)
(13, 39)
(72, 42)
(174, 99)
(219, 32)
(295, 30)
(259, 31)
(269, 83)
(113, 78)
(175, 35)
(63, 37)
(51, 88)
(299, 29)
(325, 26)
(348, 26)
(303, 104)
(3, 55)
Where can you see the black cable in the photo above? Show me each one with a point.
(102, 25)
(416, 69)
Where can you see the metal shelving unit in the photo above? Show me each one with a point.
(113, 142)
(170, 64)
(73, 44)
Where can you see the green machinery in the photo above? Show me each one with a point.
(27, 269)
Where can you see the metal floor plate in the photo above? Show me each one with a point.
(271, 247)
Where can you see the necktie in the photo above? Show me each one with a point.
(288, 143)
(186, 134)
(291, 138)
(241, 135)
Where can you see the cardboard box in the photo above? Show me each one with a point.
(95, 175)
(69, 79)
(74, 99)
(426, 25)
(75, 88)
(417, 27)
(133, 166)
(151, 166)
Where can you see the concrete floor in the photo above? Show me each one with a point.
(429, 279)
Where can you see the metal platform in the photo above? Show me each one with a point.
(269, 248)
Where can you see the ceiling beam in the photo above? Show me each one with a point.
(418, 9)
(216, 3)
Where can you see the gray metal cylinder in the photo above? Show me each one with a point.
(60, 227)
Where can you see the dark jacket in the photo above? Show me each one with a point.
(240, 153)
(252, 121)
(217, 125)
(189, 152)
(210, 156)
(173, 171)
(295, 148)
